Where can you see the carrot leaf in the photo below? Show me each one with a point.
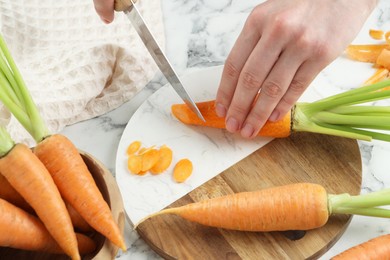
(16, 97)
(6, 143)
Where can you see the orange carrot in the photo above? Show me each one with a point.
(376, 248)
(77, 186)
(133, 147)
(8, 193)
(20, 230)
(297, 206)
(182, 170)
(134, 163)
(182, 112)
(365, 53)
(29, 177)
(300, 206)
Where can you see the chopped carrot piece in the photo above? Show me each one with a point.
(142, 173)
(164, 161)
(134, 163)
(149, 159)
(379, 75)
(376, 34)
(182, 170)
(133, 147)
(365, 53)
(145, 150)
(384, 59)
(387, 37)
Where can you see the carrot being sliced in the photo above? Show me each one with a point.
(297, 206)
(182, 112)
(376, 248)
(21, 230)
(29, 177)
(77, 185)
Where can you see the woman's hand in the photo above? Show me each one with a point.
(105, 9)
(283, 46)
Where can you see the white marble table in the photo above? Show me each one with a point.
(200, 34)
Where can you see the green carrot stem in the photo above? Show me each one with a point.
(6, 143)
(9, 83)
(37, 128)
(366, 110)
(382, 122)
(372, 134)
(360, 90)
(370, 212)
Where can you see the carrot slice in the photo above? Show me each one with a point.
(376, 34)
(164, 161)
(77, 186)
(133, 147)
(365, 53)
(384, 59)
(28, 175)
(149, 159)
(182, 112)
(182, 170)
(134, 163)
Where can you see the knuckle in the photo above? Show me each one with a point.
(272, 89)
(250, 81)
(238, 109)
(297, 86)
(231, 71)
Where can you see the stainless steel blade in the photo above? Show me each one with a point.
(159, 57)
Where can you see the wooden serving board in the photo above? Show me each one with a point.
(331, 161)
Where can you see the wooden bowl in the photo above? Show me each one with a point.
(110, 191)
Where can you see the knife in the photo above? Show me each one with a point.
(135, 17)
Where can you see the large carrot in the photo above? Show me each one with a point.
(20, 230)
(29, 177)
(339, 115)
(58, 153)
(299, 206)
(8, 193)
(376, 248)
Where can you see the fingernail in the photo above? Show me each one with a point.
(247, 131)
(105, 20)
(220, 110)
(232, 125)
(274, 116)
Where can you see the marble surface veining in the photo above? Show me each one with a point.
(200, 34)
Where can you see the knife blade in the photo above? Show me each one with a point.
(135, 17)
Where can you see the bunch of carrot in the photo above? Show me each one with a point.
(377, 54)
(297, 206)
(52, 175)
(156, 160)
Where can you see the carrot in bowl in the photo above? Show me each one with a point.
(338, 115)
(20, 230)
(29, 177)
(376, 248)
(58, 153)
(298, 206)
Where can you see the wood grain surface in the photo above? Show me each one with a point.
(105, 249)
(330, 161)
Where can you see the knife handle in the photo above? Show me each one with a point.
(122, 5)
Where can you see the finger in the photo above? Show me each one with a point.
(235, 61)
(302, 79)
(272, 91)
(105, 9)
(255, 70)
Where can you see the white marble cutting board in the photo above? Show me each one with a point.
(210, 150)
